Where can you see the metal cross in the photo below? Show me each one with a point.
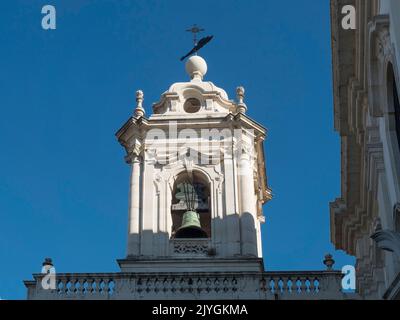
(195, 29)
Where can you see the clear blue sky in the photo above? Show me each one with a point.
(64, 93)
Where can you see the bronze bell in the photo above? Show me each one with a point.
(190, 227)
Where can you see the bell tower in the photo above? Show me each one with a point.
(198, 180)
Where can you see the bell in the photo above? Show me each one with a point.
(190, 227)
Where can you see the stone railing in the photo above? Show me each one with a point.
(197, 285)
(302, 285)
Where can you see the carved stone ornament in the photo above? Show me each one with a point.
(190, 247)
(387, 240)
(134, 151)
(139, 111)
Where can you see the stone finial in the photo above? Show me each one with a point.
(240, 99)
(240, 94)
(328, 261)
(139, 111)
(47, 262)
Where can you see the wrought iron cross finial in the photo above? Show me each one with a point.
(195, 30)
(197, 45)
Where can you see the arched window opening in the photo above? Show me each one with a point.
(393, 103)
(396, 104)
(190, 209)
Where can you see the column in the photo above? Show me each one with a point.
(134, 207)
(248, 214)
(148, 213)
(231, 212)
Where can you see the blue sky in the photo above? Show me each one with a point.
(64, 93)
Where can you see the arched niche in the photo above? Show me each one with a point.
(393, 106)
(201, 187)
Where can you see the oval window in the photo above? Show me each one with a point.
(192, 105)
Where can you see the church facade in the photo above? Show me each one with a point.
(197, 186)
(365, 219)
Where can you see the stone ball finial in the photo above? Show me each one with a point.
(139, 111)
(196, 67)
(328, 261)
(240, 99)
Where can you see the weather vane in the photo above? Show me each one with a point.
(197, 45)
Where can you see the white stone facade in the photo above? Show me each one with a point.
(365, 219)
(215, 143)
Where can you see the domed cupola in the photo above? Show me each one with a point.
(195, 98)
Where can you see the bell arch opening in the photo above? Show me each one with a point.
(393, 109)
(190, 207)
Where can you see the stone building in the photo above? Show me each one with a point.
(365, 219)
(197, 186)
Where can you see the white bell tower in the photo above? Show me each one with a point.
(198, 180)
